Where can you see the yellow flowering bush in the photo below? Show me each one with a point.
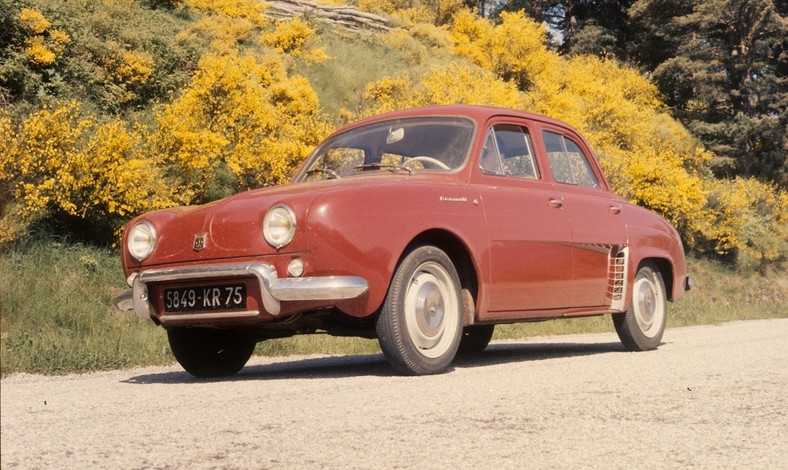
(657, 180)
(33, 21)
(241, 113)
(453, 83)
(38, 52)
(120, 179)
(388, 94)
(58, 162)
(10, 225)
(749, 218)
(514, 50)
(252, 10)
(218, 31)
(43, 45)
(131, 67)
(43, 157)
(294, 37)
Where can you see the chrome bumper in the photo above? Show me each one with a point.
(273, 290)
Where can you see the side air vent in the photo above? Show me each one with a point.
(617, 278)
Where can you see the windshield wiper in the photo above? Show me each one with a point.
(382, 166)
(332, 175)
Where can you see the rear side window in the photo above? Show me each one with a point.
(568, 163)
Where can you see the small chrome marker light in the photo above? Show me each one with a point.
(296, 268)
(141, 240)
(279, 226)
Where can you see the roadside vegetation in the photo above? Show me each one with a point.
(112, 108)
(57, 315)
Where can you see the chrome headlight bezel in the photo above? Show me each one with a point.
(279, 226)
(141, 240)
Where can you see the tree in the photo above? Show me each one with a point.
(596, 27)
(722, 66)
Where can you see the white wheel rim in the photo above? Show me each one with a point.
(431, 310)
(648, 303)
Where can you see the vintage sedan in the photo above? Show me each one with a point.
(422, 228)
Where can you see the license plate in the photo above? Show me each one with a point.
(205, 298)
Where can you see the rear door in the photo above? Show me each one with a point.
(595, 216)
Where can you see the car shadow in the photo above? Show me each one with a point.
(504, 353)
(376, 365)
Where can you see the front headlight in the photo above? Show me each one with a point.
(279, 226)
(141, 240)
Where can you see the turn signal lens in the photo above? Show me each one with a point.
(296, 268)
(141, 240)
(279, 226)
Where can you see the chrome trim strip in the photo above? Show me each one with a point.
(272, 289)
(197, 316)
(318, 288)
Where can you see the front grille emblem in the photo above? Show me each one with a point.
(199, 241)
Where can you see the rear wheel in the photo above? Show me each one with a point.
(642, 326)
(205, 352)
(475, 338)
(420, 324)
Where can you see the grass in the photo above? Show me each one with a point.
(56, 314)
(57, 317)
(356, 61)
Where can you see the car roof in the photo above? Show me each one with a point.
(480, 114)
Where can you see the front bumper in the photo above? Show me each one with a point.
(272, 289)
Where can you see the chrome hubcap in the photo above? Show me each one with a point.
(649, 304)
(431, 309)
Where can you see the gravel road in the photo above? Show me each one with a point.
(709, 397)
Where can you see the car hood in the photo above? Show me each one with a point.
(233, 227)
(229, 228)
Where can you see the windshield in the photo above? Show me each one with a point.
(424, 144)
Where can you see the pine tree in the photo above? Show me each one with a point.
(722, 66)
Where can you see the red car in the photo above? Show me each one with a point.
(423, 228)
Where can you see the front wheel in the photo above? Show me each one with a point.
(420, 325)
(642, 326)
(205, 352)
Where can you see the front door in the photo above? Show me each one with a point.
(529, 232)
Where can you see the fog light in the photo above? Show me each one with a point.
(296, 268)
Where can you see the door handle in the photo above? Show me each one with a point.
(615, 209)
(557, 203)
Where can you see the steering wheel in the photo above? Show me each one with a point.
(430, 160)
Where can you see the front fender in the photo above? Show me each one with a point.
(365, 231)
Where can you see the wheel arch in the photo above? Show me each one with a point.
(665, 269)
(463, 261)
